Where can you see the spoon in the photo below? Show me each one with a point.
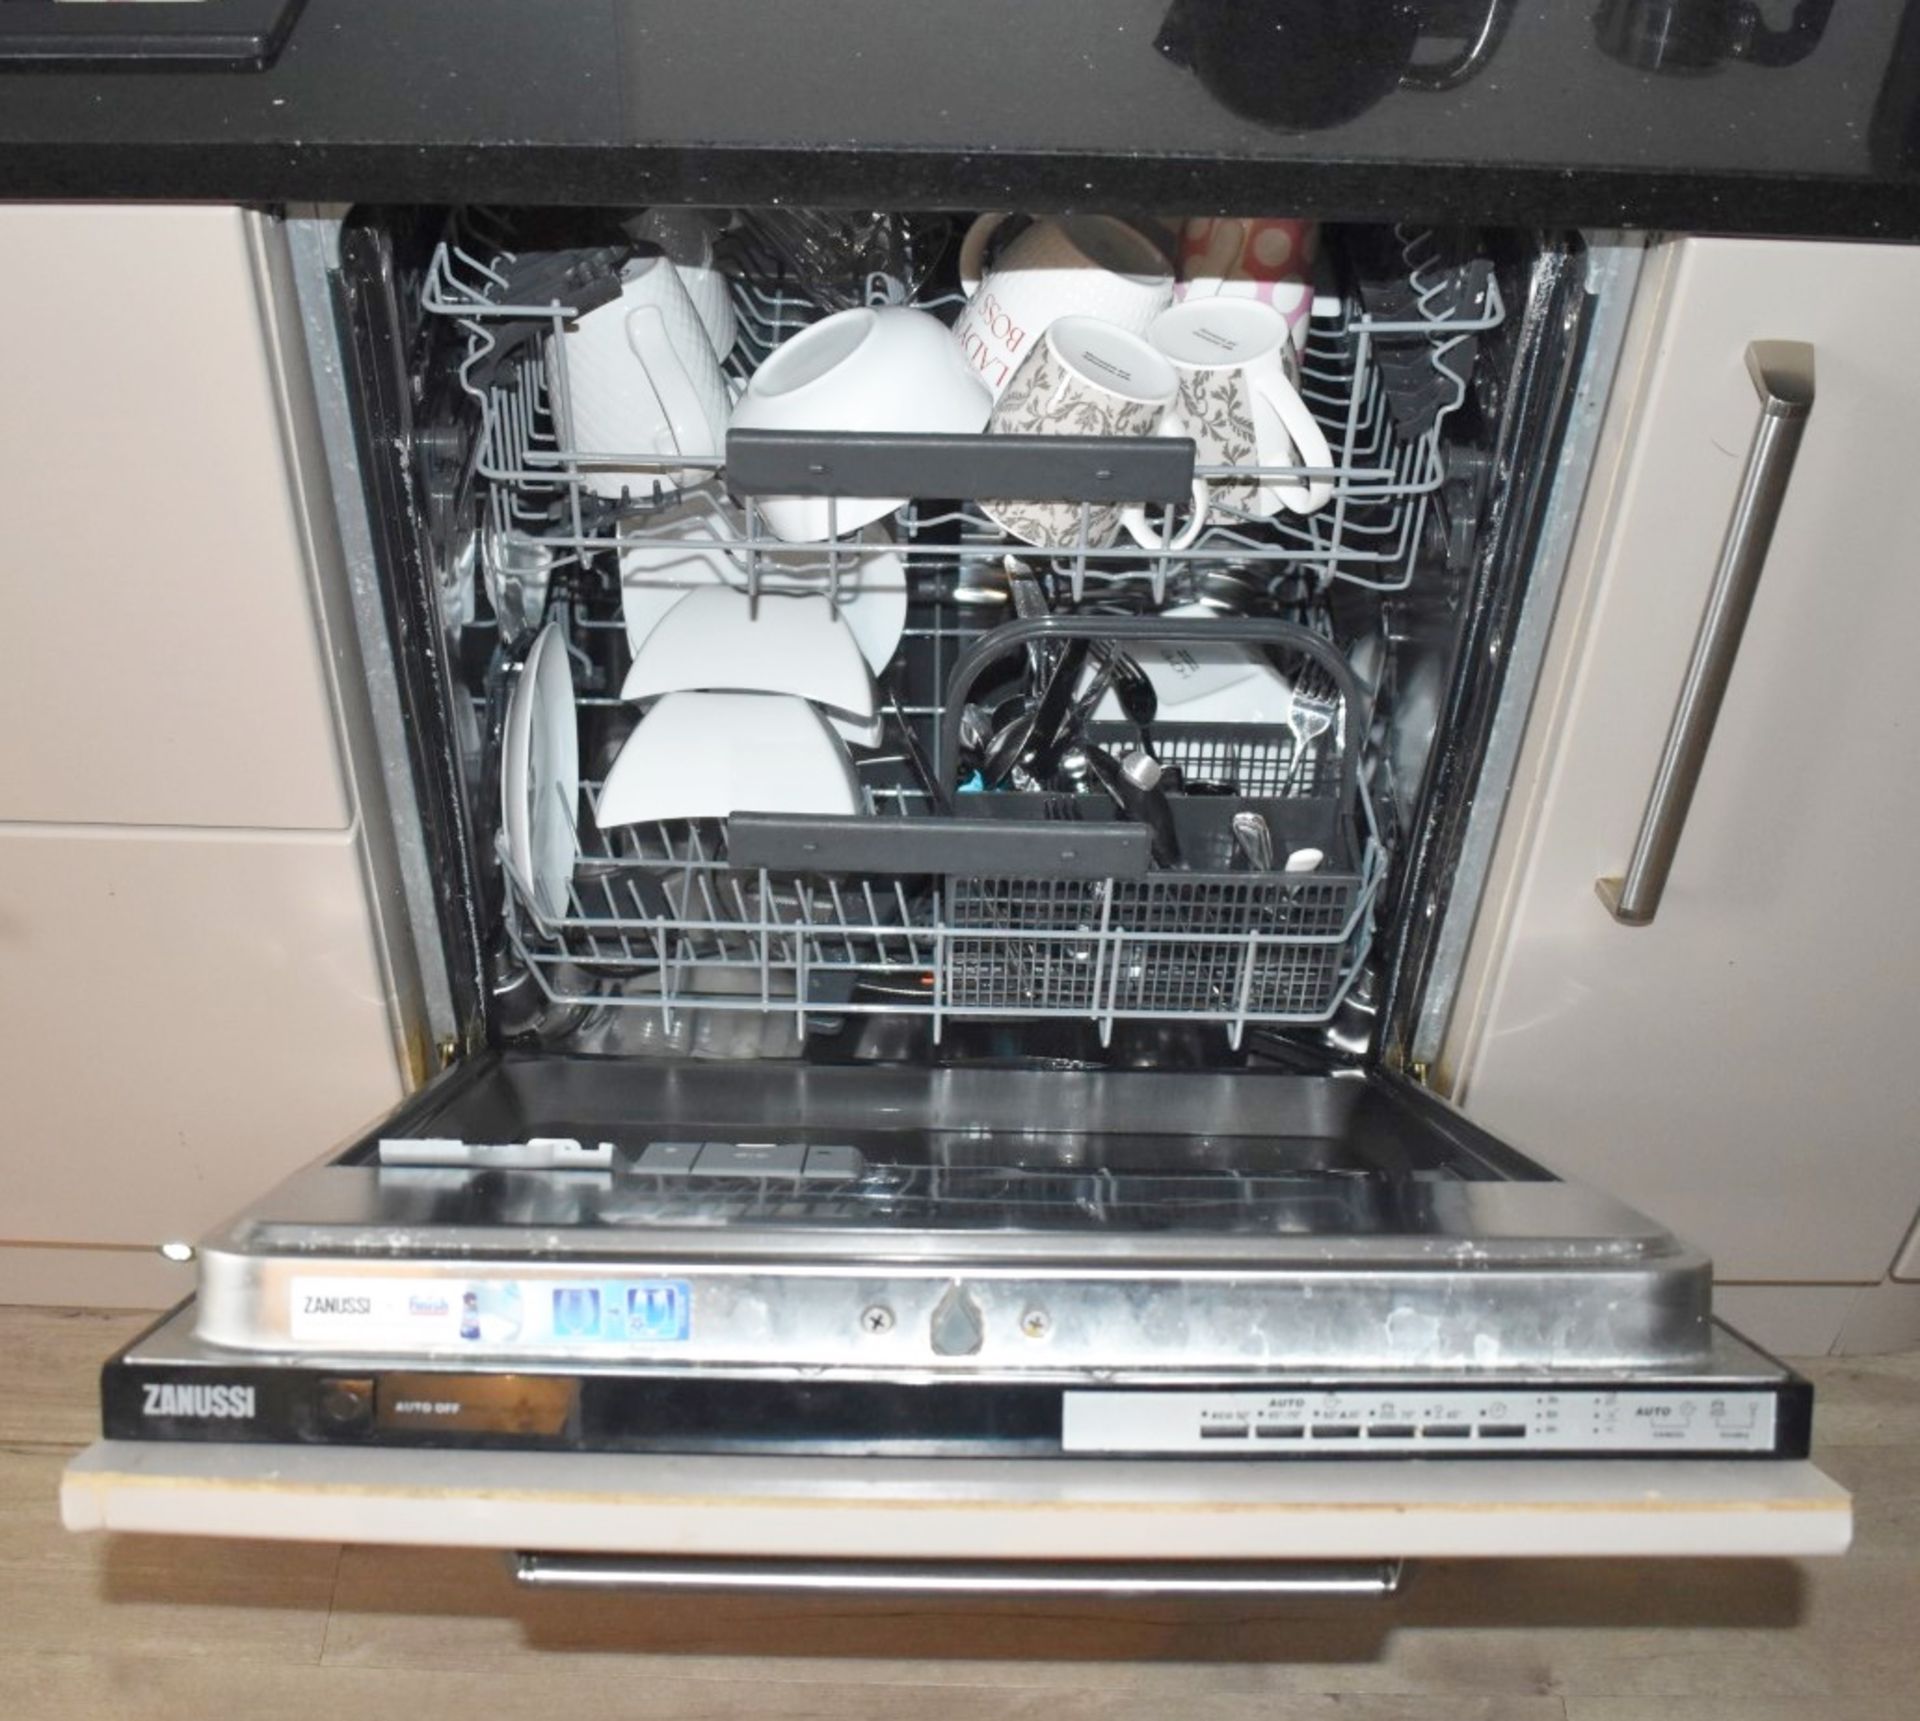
(1254, 836)
(1035, 729)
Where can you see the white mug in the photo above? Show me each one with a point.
(1084, 377)
(641, 381)
(888, 370)
(686, 235)
(1236, 392)
(1076, 265)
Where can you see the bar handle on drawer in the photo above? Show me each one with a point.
(1782, 372)
(959, 1577)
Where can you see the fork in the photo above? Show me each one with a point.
(1309, 716)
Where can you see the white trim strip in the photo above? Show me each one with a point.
(921, 1509)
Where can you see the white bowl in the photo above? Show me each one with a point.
(1224, 683)
(891, 371)
(686, 548)
(683, 549)
(710, 755)
(871, 590)
(540, 774)
(858, 732)
(720, 640)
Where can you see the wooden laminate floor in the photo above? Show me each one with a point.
(139, 1627)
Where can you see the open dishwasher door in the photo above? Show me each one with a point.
(951, 1315)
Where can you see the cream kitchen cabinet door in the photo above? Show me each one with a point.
(187, 1017)
(162, 660)
(203, 951)
(1744, 1068)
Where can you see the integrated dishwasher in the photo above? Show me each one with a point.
(1010, 1117)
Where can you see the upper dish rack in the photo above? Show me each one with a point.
(541, 509)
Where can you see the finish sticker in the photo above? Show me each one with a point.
(487, 1315)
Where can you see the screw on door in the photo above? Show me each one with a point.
(877, 1318)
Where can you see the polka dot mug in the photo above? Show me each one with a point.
(1269, 258)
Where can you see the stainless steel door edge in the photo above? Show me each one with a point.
(647, 1306)
(1614, 262)
(1302, 1224)
(366, 689)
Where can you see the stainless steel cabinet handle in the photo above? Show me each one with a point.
(1783, 373)
(958, 1577)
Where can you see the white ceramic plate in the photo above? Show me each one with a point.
(540, 774)
(718, 639)
(709, 755)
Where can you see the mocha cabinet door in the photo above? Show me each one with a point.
(1744, 1068)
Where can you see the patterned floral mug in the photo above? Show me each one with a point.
(1085, 377)
(1236, 391)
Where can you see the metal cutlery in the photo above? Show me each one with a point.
(1309, 716)
(1254, 838)
(1134, 784)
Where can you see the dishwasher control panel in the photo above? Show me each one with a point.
(1453, 1423)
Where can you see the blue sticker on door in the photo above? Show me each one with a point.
(622, 1311)
(661, 1309)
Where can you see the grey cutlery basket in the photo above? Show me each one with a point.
(1210, 938)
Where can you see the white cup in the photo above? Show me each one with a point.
(1084, 377)
(1076, 265)
(882, 371)
(1236, 392)
(641, 381)
(686, 235)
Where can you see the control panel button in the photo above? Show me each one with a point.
(344, 1405)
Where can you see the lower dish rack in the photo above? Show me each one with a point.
(724, 915)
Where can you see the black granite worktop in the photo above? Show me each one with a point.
(1033, 103)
